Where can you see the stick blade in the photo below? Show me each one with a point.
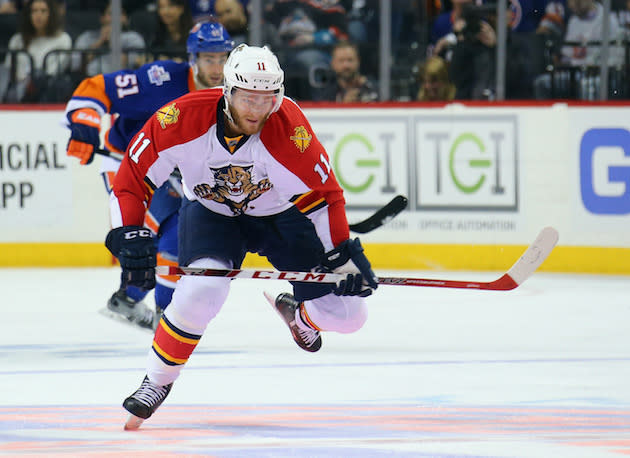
(534, 256)
(382, 216)
(270, 298)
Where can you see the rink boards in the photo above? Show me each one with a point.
(481, 182)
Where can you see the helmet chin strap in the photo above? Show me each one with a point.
(227, 111)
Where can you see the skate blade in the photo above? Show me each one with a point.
(133, 423)
(122, 319)
(270, 298)
(272, 301)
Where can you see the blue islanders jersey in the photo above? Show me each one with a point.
(527, 15)
(132, 96)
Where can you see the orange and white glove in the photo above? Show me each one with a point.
(85, 127)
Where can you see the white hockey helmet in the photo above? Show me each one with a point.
(254, 69)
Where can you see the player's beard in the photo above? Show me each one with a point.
(205, 81)
(242, 126)
(348, 76)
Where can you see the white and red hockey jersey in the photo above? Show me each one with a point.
(283, 165)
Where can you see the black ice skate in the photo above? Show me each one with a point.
(304, 335)
(122, 308)
(144, 402)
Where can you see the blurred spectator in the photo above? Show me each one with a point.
(174, 24)
(472, 62)
(346, 84)
(623, 16)
(539, 16)
(363, 20)
(98, 40)
(584, 25)
(435, 82)
(231, 14)
(39, 33)
(204, 9)
(361, 14)
(536, 26)
(9, 6)
(307, 30)
(442, 37)
(201, 9)
(303, 22)
(8, 27)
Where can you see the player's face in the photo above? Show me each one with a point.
(580, 8)
(345, 63)
(210, 68)
(250, 110)
(39, 16)
(169, 11)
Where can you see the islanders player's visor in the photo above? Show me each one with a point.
(260, 102)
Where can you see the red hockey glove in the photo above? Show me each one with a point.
(85, 124)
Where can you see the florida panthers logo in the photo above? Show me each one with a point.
(233, 187)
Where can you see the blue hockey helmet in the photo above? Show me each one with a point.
(207, 36)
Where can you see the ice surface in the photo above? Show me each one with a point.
(541, 371)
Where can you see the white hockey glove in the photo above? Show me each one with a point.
(348, 258)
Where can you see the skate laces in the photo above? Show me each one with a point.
(306, 333)
(308, 336)
(150, 394)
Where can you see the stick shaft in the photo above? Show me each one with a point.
(531, 259)
(502, 284)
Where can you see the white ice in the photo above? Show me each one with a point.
(541, 371)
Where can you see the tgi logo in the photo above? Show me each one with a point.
(467, 163)
(605, 171)
(368, 157)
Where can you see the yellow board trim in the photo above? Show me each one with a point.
(55, 255)
(604, 260)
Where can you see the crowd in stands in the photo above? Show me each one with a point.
(441, 49)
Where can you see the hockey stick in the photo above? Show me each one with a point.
(383, 215)
(531, 259)
(112, 154)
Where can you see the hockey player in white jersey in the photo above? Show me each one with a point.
(256, 179)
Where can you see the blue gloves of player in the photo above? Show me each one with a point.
(348, 258)
(135, 249)
(85, 125)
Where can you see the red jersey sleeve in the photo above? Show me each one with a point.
(290, 138)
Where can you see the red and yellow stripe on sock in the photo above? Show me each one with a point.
(307, 319)
(172, 345)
